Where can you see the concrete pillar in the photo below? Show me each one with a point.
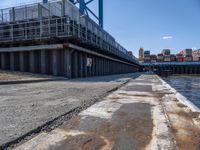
(102, 63)
(89, 68)
(21, 61)
(101, 66)
(81, 64)
(55, 66)
(38, 61)
(32, 61)
(75, 64)
(93, 65)
(12, 61)
(96, 66)
(109, 67)
(192, 70)
(0, 61)
(43, 62)
(85, 65)
(186, 70)
(67, 64)
(3, 61)
(196, 69)
(106, 66)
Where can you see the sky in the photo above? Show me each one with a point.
(151, 24)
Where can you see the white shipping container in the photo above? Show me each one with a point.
(167, 59)
(196, 59)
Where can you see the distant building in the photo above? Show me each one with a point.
(179, 57)
(167, 55)
(153, 58)
(141, 54)
(166, 52)
(147, 56)
(173, 57)
(160, 58)
(187, 55)
(196, 55)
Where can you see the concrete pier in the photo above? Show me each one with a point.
(143, 114)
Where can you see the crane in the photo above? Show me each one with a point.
(85, 10)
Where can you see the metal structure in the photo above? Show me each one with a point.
(85, 10)
(56, 38)
(58, 19)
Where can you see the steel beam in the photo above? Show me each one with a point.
(101, 13)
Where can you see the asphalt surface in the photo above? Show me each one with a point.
(27, 106)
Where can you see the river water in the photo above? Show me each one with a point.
(188, 86)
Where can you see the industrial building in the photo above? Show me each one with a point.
(58, 38)
(141, 54)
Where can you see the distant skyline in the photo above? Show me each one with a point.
(153, 25)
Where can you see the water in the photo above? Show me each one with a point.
(188, 86)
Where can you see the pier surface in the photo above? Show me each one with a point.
(143, 114)
(30, 105)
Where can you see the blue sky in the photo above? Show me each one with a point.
(152, 24)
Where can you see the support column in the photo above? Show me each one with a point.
(0, 61)
(55, 63)
(89, 68)
(43, 62)
(76, 64)
(81, 64)
(96, 66)
(100, 66)
(93, 65)
(3, 61)
(12, 61)
(21, 61)
(67, 64)
(85, 65)
(32, 61)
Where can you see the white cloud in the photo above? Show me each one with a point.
(167, 37)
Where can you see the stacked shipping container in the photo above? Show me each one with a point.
(187, 54)
(147, 56)
(166, 53)
(196, 55)
(179, 57)
(160, 58)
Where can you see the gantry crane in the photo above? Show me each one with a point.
(85, 10)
